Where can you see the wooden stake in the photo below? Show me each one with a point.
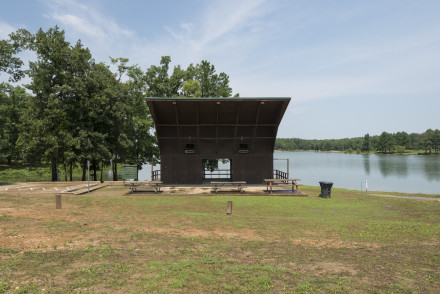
(58, 201)
(229, 208)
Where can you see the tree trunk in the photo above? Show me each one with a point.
(54, 170)
(102, 168)
(71, 167)
(9, 160)
(84, 170)
(65, 172)
(94, 170)
(115, 170)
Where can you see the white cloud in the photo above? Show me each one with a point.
(5, 30)
(80, 25)
(227, 17)
(86, 22)
(217, 29)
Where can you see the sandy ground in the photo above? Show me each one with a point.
(67, 187)
(43, 187)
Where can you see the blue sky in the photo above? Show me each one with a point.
(351, 67)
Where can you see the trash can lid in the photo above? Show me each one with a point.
(326, 183)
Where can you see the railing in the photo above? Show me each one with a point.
(278, 174)
(217, 174)
(155, 175)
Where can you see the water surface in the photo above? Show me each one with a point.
(392, 173)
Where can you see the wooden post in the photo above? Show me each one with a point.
(58, 201)
(229, 208)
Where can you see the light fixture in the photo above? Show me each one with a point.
(243, 148)
(190, 149)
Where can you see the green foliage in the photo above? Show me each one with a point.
(400, 149)
(9, 63)
(79, 110)
(12, 104)
(191, 88)
(366, 144)
(385, 143)
(319, 145)
(200, 80)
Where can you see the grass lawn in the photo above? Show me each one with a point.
(113, 242)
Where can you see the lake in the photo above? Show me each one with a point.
(391, 173)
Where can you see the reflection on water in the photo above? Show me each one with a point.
(393, 165)
(432, 169)
(367, 164)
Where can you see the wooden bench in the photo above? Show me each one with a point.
(240, 185)
(272, 182)
(134, 185)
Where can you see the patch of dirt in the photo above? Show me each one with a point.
(324, 268)
(333, 243)
(244, 234)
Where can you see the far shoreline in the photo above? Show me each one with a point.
(359, 153)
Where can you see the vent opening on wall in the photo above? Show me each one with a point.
(190, 148)
(243, 149)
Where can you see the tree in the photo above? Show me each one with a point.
(200, 80)
(81, 110)
(427, 140)
(413, 141)
(9, 63)
(366, 143)
(141, 125)
(191, 88)
(158, 80)
(57, 84)
(211, 84)
(131, 137)
(386, 143)
(12, 103)
(94, 118)
(401, 139)
(435, 140)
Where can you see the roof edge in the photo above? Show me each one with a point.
(215, 98)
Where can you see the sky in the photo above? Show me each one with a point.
(350, 67)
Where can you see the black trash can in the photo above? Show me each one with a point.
(326, 189)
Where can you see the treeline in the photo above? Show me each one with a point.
(399, 142)
(76, 110)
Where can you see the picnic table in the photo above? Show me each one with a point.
(134, 185)
(240, 185)
(293, 182)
